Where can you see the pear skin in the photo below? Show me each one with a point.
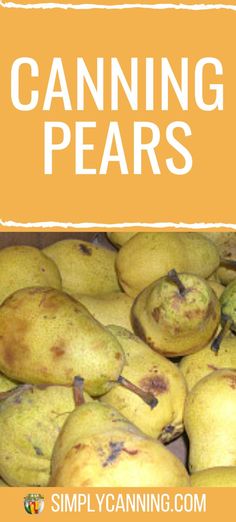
(226, 245)
(224, 476)
(153, 373)
(118, 239)
(108, 309)
(25, 266)
(217, 287)
(202, 363)
(55, 338)
(210, 421)
(30, 420)
(6, 384)
(113, 454)
(150, 255)
(85, 268)
(173, 323)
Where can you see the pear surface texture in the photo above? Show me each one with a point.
(110, 452)
(210, 421)
(84, 267)
(148, 256)
(202, 363)
(215, 477)
(176, 321)
(26, 266)
(120, 238)
(153, 373)
(114, 308)
(55, 338)
(30, 420)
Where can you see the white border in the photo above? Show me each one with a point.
(77, 7)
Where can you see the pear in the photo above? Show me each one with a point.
(222, 476)
(113, 308)
(149, 256)
(30, 420)
(84, 267)
(176, 315)
(226, 245)
(6, 384)
(110, 451)
(25, 266)
(118, 239)
(199, 364)
(153, 373)
(46, 336)
(210, 421)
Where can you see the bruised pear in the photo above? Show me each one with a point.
(148, 256)
(85, 268)
(30, 421)
(153, 373)
(98, 447)
(25, 266)
(176, 315)
(46, 336)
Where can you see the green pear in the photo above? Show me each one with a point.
(120, 238)
(46, 336)
(222, 476)
(6, 384)
(30, 420)
(199, 364)
(228, 314)
(210, 421)
(148, 256)
(113, 308)
(25, 266)
(226, 245)
(176, 315)
(110, 451)
(153, 373)
(84, 267)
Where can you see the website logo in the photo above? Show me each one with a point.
(34, 503)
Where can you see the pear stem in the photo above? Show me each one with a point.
(145, 396)
(230, 263)
(78, 388)
(215, 346)
(174, 278)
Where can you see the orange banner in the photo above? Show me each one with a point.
(148, 139)
(106, 504)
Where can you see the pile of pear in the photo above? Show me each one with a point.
(107, 356)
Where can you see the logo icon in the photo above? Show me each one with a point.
(34, 503)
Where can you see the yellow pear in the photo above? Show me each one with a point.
(113, 308)
(152, 373)
(177, 314)
(226, 245)
(85, 268)
(25, 266)
(222, 476)
(30, 420)
(98, 447)
(217, 287)
(210, 421)
(150, 255)
(199, 364)
(46, 336)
